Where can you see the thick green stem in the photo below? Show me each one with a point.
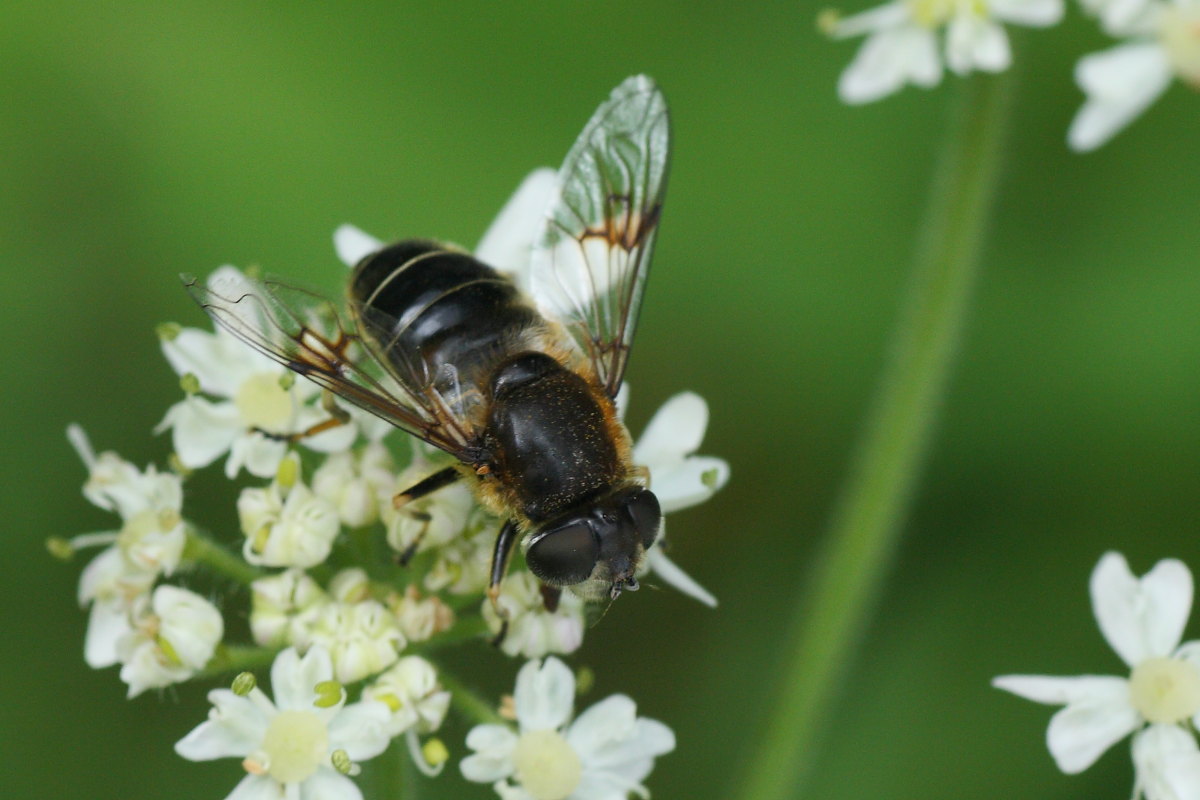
(870, 513)
(237, 658)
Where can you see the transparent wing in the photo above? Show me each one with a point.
(591, 261)
(304, 332)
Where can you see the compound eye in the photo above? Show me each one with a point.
(565, 555)
(646, 514)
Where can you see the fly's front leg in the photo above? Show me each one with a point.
(501, 555)
(439, 479)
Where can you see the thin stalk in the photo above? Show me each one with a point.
(468, 702)
(201, 549)
(868, 518)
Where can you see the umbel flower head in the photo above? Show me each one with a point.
(903, 47)
(1142, 619)
(605, 753)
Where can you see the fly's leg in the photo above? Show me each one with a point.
(338, 417)
(443, 477)
(500, 558)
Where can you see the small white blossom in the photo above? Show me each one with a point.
(353, 483)
(420, 617)
(288, 746)
(150, 543)
(461, 567)
(1122, 82)
(411, 690)
(604, 754)
(171, 636)
(362, 638)
(533, 630)
(1142, 620)
(257, 400)
(286, 525)
(902, 41)
(284, 607)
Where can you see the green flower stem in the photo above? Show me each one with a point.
(869, 516)
(468, 702)
(467, 629)
(203, 550)
(237, 658)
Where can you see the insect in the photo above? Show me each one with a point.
(518, 387)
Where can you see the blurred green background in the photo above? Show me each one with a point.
(144, 139)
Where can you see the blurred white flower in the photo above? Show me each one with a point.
(902, 41)
(303, 745)
(354, 482)
(1123, 81)
(363, 638)
(534, 630)
(150, 543)
(1142, 620)
(284, 607)
(603, 754)
(411, 690)
(420, 617)
(678, 478)
(285, 524)
(172, 635)
(257, 402)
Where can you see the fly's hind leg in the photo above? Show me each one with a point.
(501, 555)
(443, 477)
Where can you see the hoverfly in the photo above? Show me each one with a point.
(519, 388)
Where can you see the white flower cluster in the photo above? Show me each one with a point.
(1142, 619)
(347, 592)
(1161, 43)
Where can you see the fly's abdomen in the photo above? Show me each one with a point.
(439, 317)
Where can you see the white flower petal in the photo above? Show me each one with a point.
(610, 736)
(235, 727)
(1120, 84)
(329, 784)
(1144, 618)
(675, 430)
(670, 573)
(887, 61)
(544, 695)
(353, 244)
(256, 787)
(107, 623)
(493, 760)
(258, 453)
(890, 15)
(201, 430)
(1035, 13)
(974, 42)
(216, 359)
(689, 483)
(1080, 733)
(293, 679)
(1054, 690)
(508, 243)
(361, 729)
(1167, 763)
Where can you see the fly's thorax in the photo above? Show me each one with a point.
(549, 436)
